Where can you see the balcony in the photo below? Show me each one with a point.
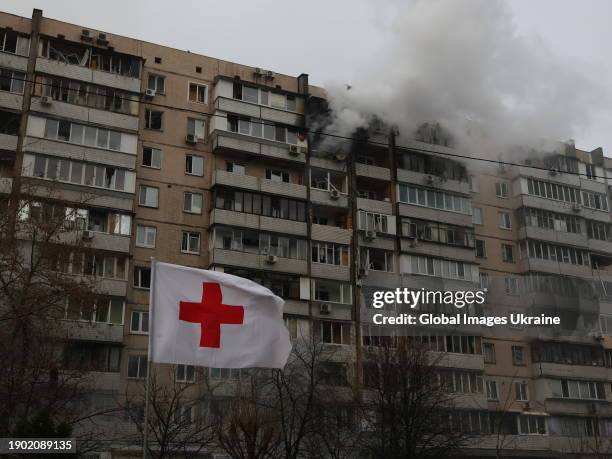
(258, 111)
(554, 267)
(11, 100)
(373, 205)
(463, 361)
(232, 141)
(558, 177)
(259, 222)
(564, 208)
(85, 114)
(435, 215)
(77, 72)
(374, 172)
(558, 370)
(328, 198)
(327, 271)
(92, 331)
(6, 183)
(453, 252)
(598, 245)
(432, 181)
(8, 142)
(257, 261)
(290, 190)
(562, 237)
(13, 61)
(330, 234)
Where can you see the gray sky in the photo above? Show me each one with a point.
(332, 40)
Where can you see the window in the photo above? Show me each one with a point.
(518, 356)
(504, 220)
(185, 373)
(157, 83)
(330, 253)
(477, 216)
(137, 366)
(375, 222)
(12, 81)
(148, 196)
(194, 165)
(501, 190)
(12, 42)
(331, 374)
(255, 203)
(492, 390)
(109, 311)
(531, 425)
(377, 260)
(198, 93)
(84, 356)
(332, 291)
(145, 236)
(511, 285)
(590, 172)
(277, 175)
(434, 199)
(481, 251)
(554, 191)
(142, 277)
(195, 128)
(521, 392)
(66, 131)
(334, 332)
(488, 349)
(438, 267)
(139, 324)
(561, 254)
(153, 119)
(508, 253)
(483, 280)
(583, 390)
(190, 242)
(192, 202)
(235, 168)
(226, 373)
(151, 157)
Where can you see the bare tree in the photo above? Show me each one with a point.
(407, 408)
(34, 291)
(176, 425)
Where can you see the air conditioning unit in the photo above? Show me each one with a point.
(191, 139)
(258, 71)
(363, 272)
(576, 207)
(325, 308)
(553, 172)
(429, 180)
(370, 234)
(334, 194)
(86, 35)
(303, 150)
(293, 150)
(46, 100)
(271, 259)
(87, 235)
(150, 93)
(102, 39)
(270, 74)
(340, 156)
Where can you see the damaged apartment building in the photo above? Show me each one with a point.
(206, 163)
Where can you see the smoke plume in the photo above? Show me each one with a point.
(464, 65)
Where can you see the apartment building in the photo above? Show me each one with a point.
(206, 163)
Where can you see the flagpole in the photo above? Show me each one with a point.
(145, 432)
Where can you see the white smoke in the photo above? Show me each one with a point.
(464, 64)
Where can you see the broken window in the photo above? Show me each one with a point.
(153, 119)
(12, 42)
(198, 92)
(11, 81)
(9, 123)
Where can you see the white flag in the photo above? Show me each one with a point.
(211, 319)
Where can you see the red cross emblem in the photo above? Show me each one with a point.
(211, 313)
